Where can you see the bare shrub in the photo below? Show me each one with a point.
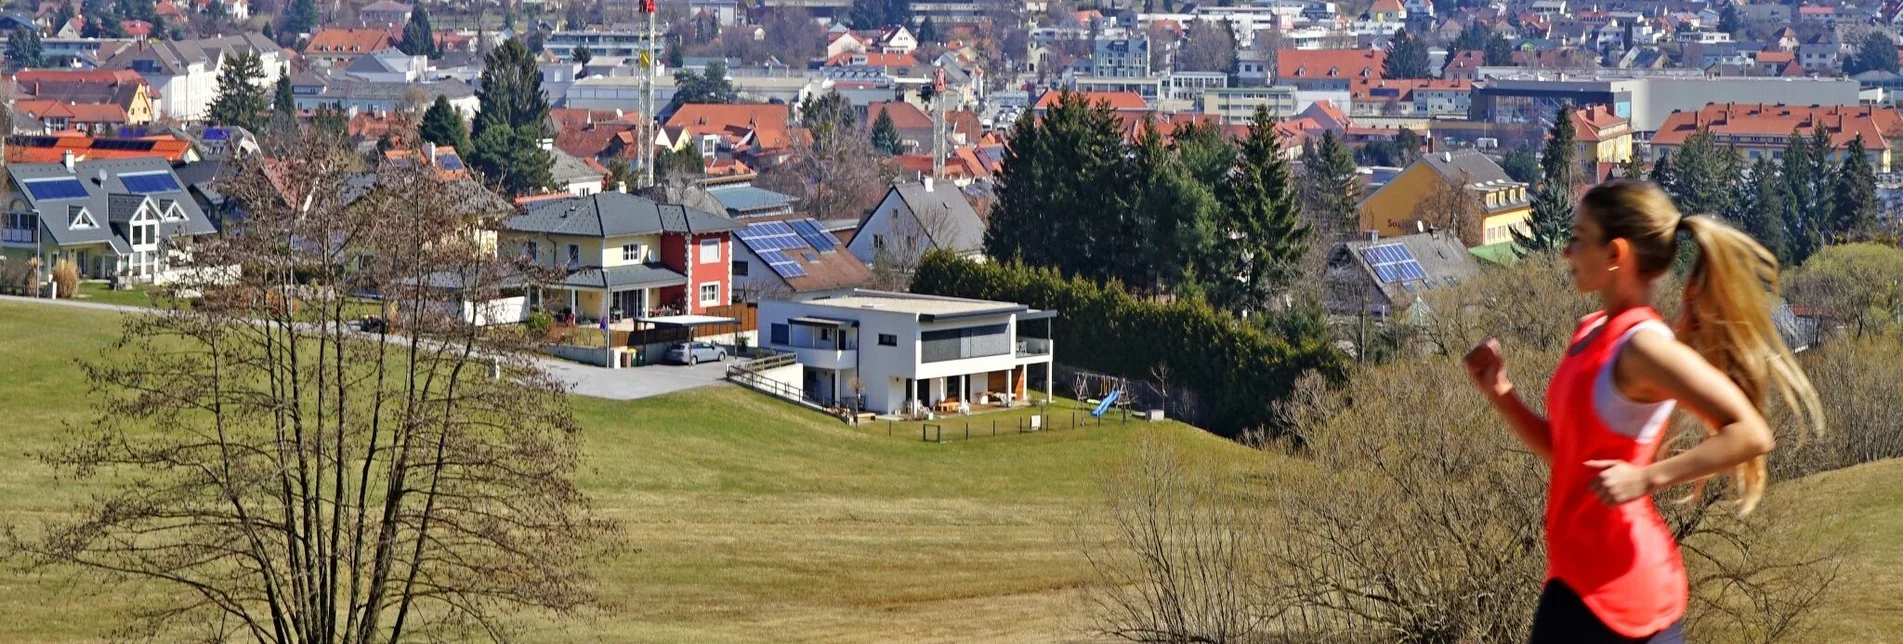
(66, 278)
(1184, 557)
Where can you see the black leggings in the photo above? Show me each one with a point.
(1563, 618)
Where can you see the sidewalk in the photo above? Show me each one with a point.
(585, 380)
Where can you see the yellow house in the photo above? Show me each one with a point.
(624, 257)
(124, 88)
(1605, 140)
(1464, 186)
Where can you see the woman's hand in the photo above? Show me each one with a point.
(1619, 482)
(1488, 368)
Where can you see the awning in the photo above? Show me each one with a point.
(625, 278)
(1037, 314)
(823, 322)
(686, 320)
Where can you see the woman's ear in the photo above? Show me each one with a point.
(1618, 253)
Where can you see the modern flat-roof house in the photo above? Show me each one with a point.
(901, 352)
(625, 256)
(120, 218)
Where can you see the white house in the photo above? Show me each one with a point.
(920, 216)
(185, 72)
(901, 351)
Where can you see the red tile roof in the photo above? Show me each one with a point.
(1306, 64)
(1876, 124)
(1386, 6)
(727, 168)
(348, 41)
(1771, 56)
(767, 122)
(50, 149)
(1595, 122)
(74, 112)
(31, 76)
(1117, 100)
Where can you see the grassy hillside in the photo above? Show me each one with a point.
(746, 519)
(1867, 500)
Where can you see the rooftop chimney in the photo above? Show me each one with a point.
(66, 159)
(429, 151)
(621, 186)
(928, 184)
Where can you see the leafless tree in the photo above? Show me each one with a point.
(292, 478)
(1452, 206)
(1208, 47)
(833, 171)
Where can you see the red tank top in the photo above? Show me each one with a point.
(1621, 560)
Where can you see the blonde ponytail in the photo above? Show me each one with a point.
(1727, 318)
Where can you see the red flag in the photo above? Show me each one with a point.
(647, 6)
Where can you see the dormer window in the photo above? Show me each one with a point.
(173, 212)
(82, 219)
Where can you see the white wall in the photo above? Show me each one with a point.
(879, 224)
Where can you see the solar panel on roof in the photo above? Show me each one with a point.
(449, 161)
(770, 235)
(1393, 263)
(215, 134)
(145, 184)
(815, 236)
(782, 264)
(60, 188)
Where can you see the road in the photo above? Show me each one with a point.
(586, 380)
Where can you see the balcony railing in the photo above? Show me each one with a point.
(1033, 347)
(17, 235)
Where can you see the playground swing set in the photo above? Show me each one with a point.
(1109, 390)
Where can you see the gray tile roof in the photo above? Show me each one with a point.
(621, 277)
(568, 168)
(346, 88)
(742, 199)
(172, 57)
(385, 61)
(609, 214)
(1441, 255)
(107, 201)
(959, 229)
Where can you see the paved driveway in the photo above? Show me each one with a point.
(639, 382)
(586, 380)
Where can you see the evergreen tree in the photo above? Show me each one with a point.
(1760, 210)
(1552, 220)
(1061, 193)
(512, 157)
(1499, 52)
(1807, 186)
(282, 100)
(1407, 57)
(829, 111)
(269, 33)
(511, 122)
(23, 49)
(619, 175)
(1176, 211)
(241, 102)
(582, 55)
(443, 125)
(898, 12)
(63, 15)
(927, 31)
(1335, 183)
(674, 58)
(685, 162)
(1877, 52)
(1632, 168)
(692, 88)
(1704, 182)
(867, 14)
(1728, 20)
(1854, 206)
(1522, 165)
(419, 39)
(1662, 172)
(885, 136)
(577, 17)
(300, 18)
(1205, 151)
(1261, 223)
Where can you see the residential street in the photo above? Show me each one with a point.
(586, 380)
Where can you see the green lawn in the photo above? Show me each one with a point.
(746, 519)
(1868, 602)
(101, 293)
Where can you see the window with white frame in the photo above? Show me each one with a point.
(82, 219)
(144, 233)
(529, 250)
(710, 251)
(574, 255)
(710, 294)
(634, 253)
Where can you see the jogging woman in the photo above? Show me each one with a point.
(1613, 569)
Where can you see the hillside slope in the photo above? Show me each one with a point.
(746, 519)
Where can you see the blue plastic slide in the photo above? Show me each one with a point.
(1107, 402)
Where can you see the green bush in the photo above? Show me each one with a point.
(1237, 370)
(539, 322)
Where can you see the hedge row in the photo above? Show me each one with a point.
(1237, 370)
